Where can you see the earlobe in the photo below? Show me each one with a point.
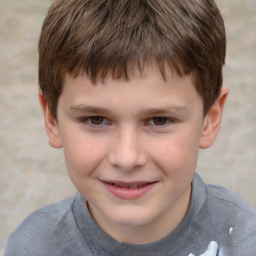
(51, 125)
(212, 120)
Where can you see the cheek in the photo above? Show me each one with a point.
(82, 155)
(177, 154)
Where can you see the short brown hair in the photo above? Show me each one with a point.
(95, 37)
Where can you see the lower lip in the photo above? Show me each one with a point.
(129, 193)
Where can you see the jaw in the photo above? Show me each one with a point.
(133, 220)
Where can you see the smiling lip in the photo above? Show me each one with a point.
(131, 190)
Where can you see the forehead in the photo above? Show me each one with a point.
(147, 90)
(150, 74)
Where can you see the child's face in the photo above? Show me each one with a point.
(131, 148)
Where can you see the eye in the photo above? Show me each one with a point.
(95, 121)
(159, 121)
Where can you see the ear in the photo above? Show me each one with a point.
(51, 125)
(212, 120)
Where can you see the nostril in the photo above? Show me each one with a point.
(127, 162)
(126, 152)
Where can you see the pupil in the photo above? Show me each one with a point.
(159, 120)
(96, 120)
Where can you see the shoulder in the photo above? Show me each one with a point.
(234, 220)
(38, 229)
(224, 198)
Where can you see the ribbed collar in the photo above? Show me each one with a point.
(182, 237)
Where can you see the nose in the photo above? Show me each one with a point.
(127, 152)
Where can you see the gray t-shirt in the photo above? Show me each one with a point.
(217, 223)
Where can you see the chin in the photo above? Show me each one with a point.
(132, 218)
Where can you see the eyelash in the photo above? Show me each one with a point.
(88, 121)
(102, 121)
(161, 118)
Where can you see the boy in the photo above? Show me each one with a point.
(131, 90)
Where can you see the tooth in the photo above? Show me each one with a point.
(127, 186)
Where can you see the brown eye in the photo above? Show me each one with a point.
(96, 120)
(159, 120)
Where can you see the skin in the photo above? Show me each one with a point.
(145, 130)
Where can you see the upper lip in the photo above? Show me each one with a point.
(133, 184)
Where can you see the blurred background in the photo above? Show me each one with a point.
(32, 174)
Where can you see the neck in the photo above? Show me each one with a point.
(150, 232)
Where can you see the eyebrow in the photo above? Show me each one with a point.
(90, 109)
(165, 110)
(147, 112)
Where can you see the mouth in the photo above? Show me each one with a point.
(128, 190)
(129, 185)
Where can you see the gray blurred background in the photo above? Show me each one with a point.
(33, 174)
